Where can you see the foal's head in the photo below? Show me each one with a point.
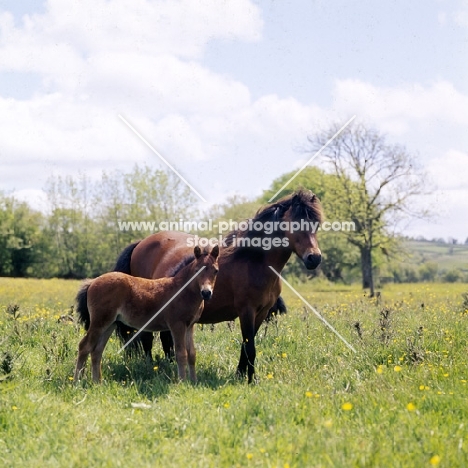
(207, 278)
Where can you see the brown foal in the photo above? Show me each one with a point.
(143, 303)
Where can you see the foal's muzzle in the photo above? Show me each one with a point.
(312, 261)
(206, 294)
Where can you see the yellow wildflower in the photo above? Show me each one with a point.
(411, 407)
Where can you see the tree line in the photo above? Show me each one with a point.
(78, 236)
(362, 179)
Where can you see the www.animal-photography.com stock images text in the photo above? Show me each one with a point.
(233, 234)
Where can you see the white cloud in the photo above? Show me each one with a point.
(143, 59)
(460, 17)
(442, 18)
(450, 171)
(101, 58)
(36, 199)
(398, 109)
(428, 119)
(181, 28)
(178, 136)
(450, 211)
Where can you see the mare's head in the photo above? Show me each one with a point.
(208, 261)
(303, 213)
(288, 225)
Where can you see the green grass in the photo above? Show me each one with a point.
(406, 387)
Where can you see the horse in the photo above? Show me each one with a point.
(173, 304)
(246, 286)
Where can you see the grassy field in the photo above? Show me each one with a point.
(399, 401)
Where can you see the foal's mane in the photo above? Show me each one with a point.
(303, 203)
(184, 262)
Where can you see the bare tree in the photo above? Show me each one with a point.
(376, 187)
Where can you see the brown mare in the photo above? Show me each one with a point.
(134, 301)
(246, 287)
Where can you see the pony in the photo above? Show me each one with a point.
(173, 304)
(246, 286)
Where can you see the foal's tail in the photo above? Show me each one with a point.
(82, 304)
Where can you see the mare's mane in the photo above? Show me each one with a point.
(303, 204)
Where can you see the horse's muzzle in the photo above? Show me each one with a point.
(312, 261)
(206, 294)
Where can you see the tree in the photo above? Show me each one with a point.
(19, 235)
(236, 207)
(452, 276)
(69, 226)
(144, 194)
(83, 225)
(428, 271)
(376, 185)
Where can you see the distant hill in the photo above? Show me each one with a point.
(447, 256)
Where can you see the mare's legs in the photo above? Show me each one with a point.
(179, 332)
(247, 356)
(96, 353)
(146, 339)
(250, 323)
(192, 354)
(167, 344)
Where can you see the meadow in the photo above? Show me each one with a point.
(399, 401)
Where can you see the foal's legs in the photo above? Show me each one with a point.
(179, 332)
(192, 354)
(96, 354)
(86, 346)
(93, 342)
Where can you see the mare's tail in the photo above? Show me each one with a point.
(123, 262)
(124, 332)
(281, 306)
(278, 308)
(82, 304)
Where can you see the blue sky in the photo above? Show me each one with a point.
(306, 45)
(228, 91)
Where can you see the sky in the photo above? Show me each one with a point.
(228, 91)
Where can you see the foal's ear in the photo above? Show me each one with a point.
(215, 251)
(197, 251)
